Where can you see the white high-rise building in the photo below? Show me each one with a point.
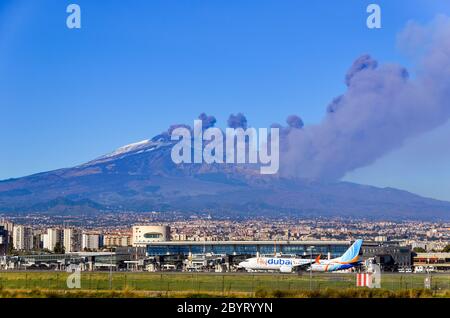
(22, 238)
(72, 240)
(52, 237)
(9, 226)
(91, 241)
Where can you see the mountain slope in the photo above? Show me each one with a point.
(142, 177)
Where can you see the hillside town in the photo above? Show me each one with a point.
(148, 242)
(30, 233)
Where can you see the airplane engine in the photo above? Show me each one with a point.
(286, 269)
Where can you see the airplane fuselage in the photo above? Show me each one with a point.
(288, 265)
(273, 263)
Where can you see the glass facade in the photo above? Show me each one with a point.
(237, 248)
(153, 235)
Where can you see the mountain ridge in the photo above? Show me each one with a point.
(142, 177)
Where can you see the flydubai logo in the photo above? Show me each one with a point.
(261, 261)
(279, 261)
(235, 146)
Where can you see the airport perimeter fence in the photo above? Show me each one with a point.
(217, 283)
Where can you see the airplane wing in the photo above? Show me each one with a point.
(305, 265)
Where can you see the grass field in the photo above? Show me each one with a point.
(95, 284)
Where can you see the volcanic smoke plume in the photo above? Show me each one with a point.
(382, 107)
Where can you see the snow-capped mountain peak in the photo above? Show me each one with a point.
(129, 148)
(134, 148)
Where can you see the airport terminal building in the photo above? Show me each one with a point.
(254, 248)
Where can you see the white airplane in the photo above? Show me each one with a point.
(287, 265)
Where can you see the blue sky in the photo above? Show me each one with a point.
(68, 96)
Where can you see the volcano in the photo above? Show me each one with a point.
(142, 177)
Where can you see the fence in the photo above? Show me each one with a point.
(211, 282)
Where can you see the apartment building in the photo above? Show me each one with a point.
(22, 238)
(72, 240)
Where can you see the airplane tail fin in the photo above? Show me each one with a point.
(318, 259)
(352, 254)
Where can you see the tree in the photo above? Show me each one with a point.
(59, 248)
(10, 248)
(419, 250)
(446, 249)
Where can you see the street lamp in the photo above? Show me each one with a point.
(311, 248)
(110, 268)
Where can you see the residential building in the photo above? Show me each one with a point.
(51, 238)
(22, 238)
(4, 239)
(114, 240)
(72, 240)
(91, 241)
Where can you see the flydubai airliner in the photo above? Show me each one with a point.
(288, 265)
